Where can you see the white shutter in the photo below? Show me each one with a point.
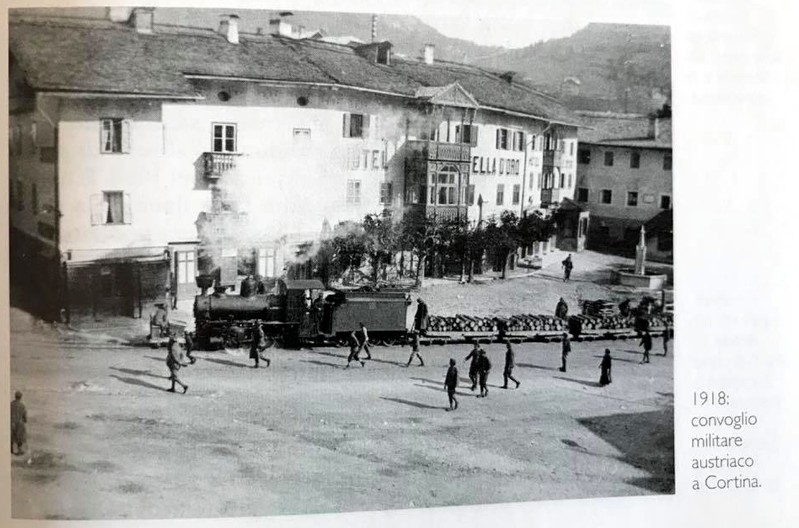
(105, 135)
(473, 135)
(97, 209)
(127, 215)
(125, 136)
(346, 128)
(365, 132)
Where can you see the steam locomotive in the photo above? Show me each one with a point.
(298, 311)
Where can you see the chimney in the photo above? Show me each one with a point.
(142, 19)
(429, 53)
(119, 14)
(278, 26)
(654, 127)
(229, 27)
(374, 28)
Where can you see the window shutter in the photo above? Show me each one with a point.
(346, 128)
(473, 135)
(105, 135)
(126, 136)
(97, 209)
(365, 132)
(127, 215)
(498, 138)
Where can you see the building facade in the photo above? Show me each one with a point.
(179, 151)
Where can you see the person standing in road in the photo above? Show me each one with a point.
(566, 348)
(646, 342)
(473, 355)
(509, 364)
(355, 348)
(483, 368)
(173, 363)
(666, 339)
(607, 363)
(365, 340)
(451, 383)
(567, 268)
(561, 309)
(19, 419)
(258, 345)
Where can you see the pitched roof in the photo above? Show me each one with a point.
(624, 130)
(92, 55)
(663, 222)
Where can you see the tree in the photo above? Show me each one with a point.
(348, 247)
(418, 235)
(379, 241)
(503, 238)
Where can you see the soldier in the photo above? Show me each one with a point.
(606, 365)
(189, 347)
(561, 309)
(483, 368)
(365, 341)
(509, 364)
(451, 383)
(646, 342)
(258, 345)
(566, 348)
(473, 355)
(355, 348)
(421, 318)
(19, 417)
(415, 350)
(567, 268)
(173, 363)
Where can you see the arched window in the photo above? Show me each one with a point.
(444, 186)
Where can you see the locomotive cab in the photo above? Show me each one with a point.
(302, 305)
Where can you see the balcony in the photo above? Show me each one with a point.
(441, 212)
(553, 158)
(551, 197)
(435, 150)
(218, 163)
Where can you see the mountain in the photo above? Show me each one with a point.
(606, 67)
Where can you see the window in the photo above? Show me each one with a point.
(606, 196)
(114, 135)
(667, 161)
(356, 125)
(383, 55)
(34, 199)
(635, 159)
(224, 137)
(385, 193)
(608, 159)
(516, 194)
(185, 265)
(571, 148)
(111, 208)
(446, 182)
(500, 193)
(665, 201)
(562, 181)
(353, 191)
(532, 142)
(582, 194)
(632, 199)
(466, 134)
(518, 141)
(584, 156)
(502, 139)
(470, 195)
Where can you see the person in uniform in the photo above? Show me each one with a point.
(607, 363)
(355, 348)
(189, 347)
(566, 348)
(19, 419)
(646, 342)
(258, 345)
(451, 383)
(160, 319)
(567, 268)
(420, 322)
(173, 363)
(509, 364)
(666, 339)
(561, 309)
(473, 355)
(483, 368)
(365, 340)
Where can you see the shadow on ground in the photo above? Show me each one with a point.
(646, 441)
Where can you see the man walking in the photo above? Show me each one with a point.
(483, 368)
(355, 348)
(19, 417)
(567, 268)
(509, 364)
(415, 350)
(420, 321)
(451, 383)
(646, 342)
(666, 339)
(473, 355)
(258, 345)
(189, 347)
(173, 363)
(365, 341)
(566, 348)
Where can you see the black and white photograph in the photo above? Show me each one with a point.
(269, 262)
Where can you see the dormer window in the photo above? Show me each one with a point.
(384, 55)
